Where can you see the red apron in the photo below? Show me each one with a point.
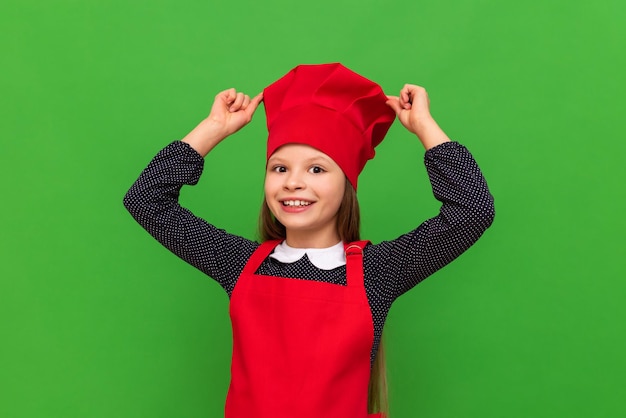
(301, 348)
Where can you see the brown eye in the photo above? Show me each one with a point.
(316, 169)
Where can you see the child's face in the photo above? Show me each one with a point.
(304, 188)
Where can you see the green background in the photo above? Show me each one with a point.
(98, 320)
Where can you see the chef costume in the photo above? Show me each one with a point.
(301, 348)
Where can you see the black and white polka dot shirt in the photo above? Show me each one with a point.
(390, 267)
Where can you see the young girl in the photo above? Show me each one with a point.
(309, 303)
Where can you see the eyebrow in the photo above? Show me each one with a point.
(307, 161)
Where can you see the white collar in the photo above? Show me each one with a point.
(322, 258)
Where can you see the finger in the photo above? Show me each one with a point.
(254, 103)
(415, 90)
(394, 103)
(246, 102)
(411, 87)
(228, 95)
(236, 105)
(405, 96)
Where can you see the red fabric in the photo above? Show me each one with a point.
(301, 348)
(331, 108)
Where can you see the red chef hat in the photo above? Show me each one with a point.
(330, 108)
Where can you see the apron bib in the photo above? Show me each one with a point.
(301, 348)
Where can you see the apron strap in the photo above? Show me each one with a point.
(354, 263)
(354, 260)
(259, 255)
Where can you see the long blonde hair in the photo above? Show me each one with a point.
(349, 229)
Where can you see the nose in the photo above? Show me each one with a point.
(293, 181)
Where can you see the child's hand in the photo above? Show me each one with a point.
(413, 110)
(412, 107)
(230, 112)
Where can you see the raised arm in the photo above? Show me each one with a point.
(153, 199)
(467, 208)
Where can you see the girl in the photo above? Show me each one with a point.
(309, 303)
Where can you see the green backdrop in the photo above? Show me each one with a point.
(97, 320)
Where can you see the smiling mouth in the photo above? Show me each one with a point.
(296, 203)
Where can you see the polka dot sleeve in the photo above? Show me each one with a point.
(467, 210)
(153, 202)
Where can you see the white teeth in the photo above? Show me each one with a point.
(295, 203)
